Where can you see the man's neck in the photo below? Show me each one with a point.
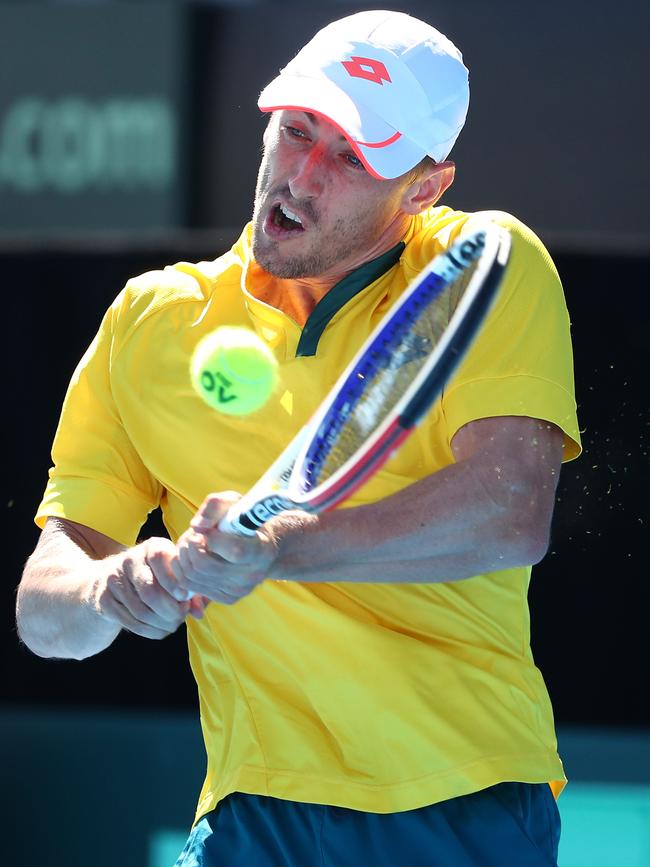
(304, 293)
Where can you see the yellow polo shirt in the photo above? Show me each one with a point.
(377, 697)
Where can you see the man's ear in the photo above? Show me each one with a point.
(425, 190)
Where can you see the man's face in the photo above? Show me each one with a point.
(317, 210)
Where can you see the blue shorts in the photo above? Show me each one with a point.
(514, 824)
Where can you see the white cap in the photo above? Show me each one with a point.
(395, 87)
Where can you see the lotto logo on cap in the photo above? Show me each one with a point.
(368, 68)
(396, 87)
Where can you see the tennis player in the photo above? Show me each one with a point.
(367, 689)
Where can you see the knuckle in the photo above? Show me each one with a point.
(107, 607)
(147, 594)
(199, 560)
(235, 552)
(155, 556)
(113, 582)
(158, 562)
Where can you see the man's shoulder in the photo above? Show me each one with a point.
(444, 225)
(438, 228)
(172, 287)
(182, 281)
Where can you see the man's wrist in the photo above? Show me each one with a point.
(292, 534)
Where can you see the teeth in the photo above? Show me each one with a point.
(290, 214)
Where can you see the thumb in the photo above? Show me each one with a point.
(212, 510)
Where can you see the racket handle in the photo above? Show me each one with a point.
(235, 520)
(248, 514)
(231, 522)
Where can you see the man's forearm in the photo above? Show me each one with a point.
(489, 511)
(54, 612)
(444, 528)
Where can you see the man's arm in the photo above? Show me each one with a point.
(490, 510)
(80, 588)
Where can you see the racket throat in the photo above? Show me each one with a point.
(357, 474)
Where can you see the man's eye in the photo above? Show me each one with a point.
(354, 161)
(295, 132)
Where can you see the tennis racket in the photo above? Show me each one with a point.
(386, 389)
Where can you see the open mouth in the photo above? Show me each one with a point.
(284, 218)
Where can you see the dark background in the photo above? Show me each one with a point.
(557, 131)
(557, 134)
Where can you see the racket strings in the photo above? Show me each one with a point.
(385, 374)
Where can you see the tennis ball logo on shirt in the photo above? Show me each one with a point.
(233, 371)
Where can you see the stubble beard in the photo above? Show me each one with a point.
(328, 249)
(334, 246)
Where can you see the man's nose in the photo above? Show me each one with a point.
(306, 182)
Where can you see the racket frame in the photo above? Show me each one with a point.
(284, 487)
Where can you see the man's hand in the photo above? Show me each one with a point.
(137, 590)
(221, 566)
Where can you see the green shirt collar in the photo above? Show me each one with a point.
(340, 294)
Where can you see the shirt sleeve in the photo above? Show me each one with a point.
(521, 363)
(97, 478)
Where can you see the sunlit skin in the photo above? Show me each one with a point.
(348, 216)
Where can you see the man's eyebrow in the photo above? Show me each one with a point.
(313, 118)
